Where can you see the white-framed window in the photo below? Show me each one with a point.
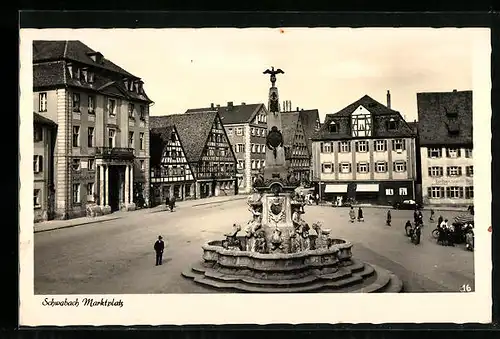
(345, 167)
(257, 163)
(361, 146)
(90, 136)
(131, 111)
(91, 165)
(241, 164)
(434, 152)
(381, 167)
(91, 104)
(37, 133)
(436, 192)
(131, 139)
(143, 112)
(252, 131)
(42, 102)
(90, 192)
(398, 145)
(111, 137)
(90, 77)
(141, 141)
(455, 192)
(263, 163)
(362, 167)
(435, 171)
(253, 148)
(453, 152)
(239, 131)
(403, 191)
(241, 148)
(37, 163)
(468, 152)
(327, 147)
(229, 131)
(469, 192)
(36, 198)
(327, 167)
(76, 102)
(112, 107)
(76, 136)
(454, 171)
(262, 148)
(253, 164)
(380, 145)
(344, 146)
(76, 164)
(332, 127)
(469, 171)
(389, 191)
(400, 166)
(76, 194)
(142, 164)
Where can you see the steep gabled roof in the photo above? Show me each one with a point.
(41, 120)
(289, 123)
(237, 114)
(308, 119)
(380, 116)
(434, 123)
(159, 138)
(193, 130)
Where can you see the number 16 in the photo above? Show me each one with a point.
(465, 288)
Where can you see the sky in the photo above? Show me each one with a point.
(325, 68)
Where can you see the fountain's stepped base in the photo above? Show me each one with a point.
(352, 277)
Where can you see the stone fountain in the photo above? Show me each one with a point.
(279, 252)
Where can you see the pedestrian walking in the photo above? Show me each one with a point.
(167, 202)
(316, 199)
(172, 203)
(389, 218)
(432, 216)
(352, 215)
(360, 215)
(159, 247)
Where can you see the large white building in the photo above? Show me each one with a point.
(445, 141)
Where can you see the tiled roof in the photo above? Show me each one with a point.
(193, 130)
(158, 140)
(39, 119)
(49, 69)
(380, 117)
(308, 119)
(433, 122)
(237, 114)
(289, 127)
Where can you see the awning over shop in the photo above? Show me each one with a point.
(340, 188)
(367, 188)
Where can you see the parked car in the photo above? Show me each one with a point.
(406, 205)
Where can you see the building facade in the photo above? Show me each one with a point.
(445, 141)
(365, 152)
(210, 165)
(102, 113)
(296, 151)
(246, 127)
(44, 137)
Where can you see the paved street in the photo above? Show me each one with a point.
(116, 256)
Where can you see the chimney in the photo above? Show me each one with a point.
(388, 99)
(289, 105)
(454, 91)
(212, 105)
(218, 106)
(229, 105)
(297, 109)
(243, 103)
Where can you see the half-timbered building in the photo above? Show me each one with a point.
(296, 151)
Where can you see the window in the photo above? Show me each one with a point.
(398, 145)
(469, 171)
(403, 191)
(131, 139)
(91, 104)
(111, 138)
(454, 192)
(468, 152)
(381, 167)
(454, 171)
(391, 124)
(37, 133)
(131, 111)
(263, 163)
(258, 163)
(76, 193)
(37, 163)
(90, 191)
(399, 166)
(90, 137)
(90, 77)
(435, 192)
(76, 136)
(141, 162)
(241, 148)
(143, 112)
(253, 148)
(380, 145)
(453, 152)
(229, 131)
(36, 198)
(253, 164)
(111, 107)
(344, 146)
(434, 153)
(141, 140)
(76, 164)
(362, 167)
(239, 131)
(42, 102)
(91, 165)
(469, 192)
(389, 191)
(361, 146)
(332, 127)
(241, 164)
(327, 168)
(252, 131)
(327, 147)
(345, 167)
(76, 102)
(435, 171)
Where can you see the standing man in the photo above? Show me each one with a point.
(167, 202)
(360, 215)
(389, 218)
(159, 247)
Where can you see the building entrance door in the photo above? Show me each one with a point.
(114, 188)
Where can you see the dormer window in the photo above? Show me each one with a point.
(453, 128)
(125, 83)
(90, 77)
(136, 87)
(332, 127)
(77, 73)
(451, 112)
(391, 124)
(84, 74)
(96, 57)
(70, 69)
(140, 87)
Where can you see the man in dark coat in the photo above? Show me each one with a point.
(167, 202)
(389, 218)
(360, 215)
(159, 247)
(172, 203)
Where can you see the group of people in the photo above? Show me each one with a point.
(446, 232)
(170, 202)
(352, 215)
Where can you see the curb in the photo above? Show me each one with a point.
(221, 201)
(75, 225)
(446, 209)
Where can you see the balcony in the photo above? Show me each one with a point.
(114, 153)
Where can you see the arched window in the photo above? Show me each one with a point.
(332, 127)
